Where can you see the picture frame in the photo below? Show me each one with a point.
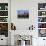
(23, 14)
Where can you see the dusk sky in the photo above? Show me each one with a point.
(22, 11)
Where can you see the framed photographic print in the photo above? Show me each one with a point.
(3, 13)
(3, 19)
(42, 33)
(41, 6)
(23, 14)
(4, 29)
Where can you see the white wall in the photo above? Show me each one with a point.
(23, 24)
(32, 6)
